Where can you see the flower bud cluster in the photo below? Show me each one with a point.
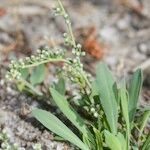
(73, 71)
(47, 53)
(67, 18)
(94, 110)
(5, 143)
(67, 39)
(14, 72)
(44, 55)
(58, 11)
(77, 51)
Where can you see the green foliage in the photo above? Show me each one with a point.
(106, 116)
(55, 125)
(98, 138)
(71, 114)
(112, 141)
(134, 91)
(94, 137)
(105, 83)
(146, 145)
(60, 86)
(125, 112)
(38, 75)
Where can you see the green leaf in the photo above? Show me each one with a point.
(105, 83)
(70, 113)
(125, 111)
(99, 139)
(143, 121)
(38, 75)
(146, 145)
(60, 86)
(112, 141)
(94, 88)
(115, 89)
(134, 91)
(122, 141)
(55, 125)
(20, 86)
(24, 73)
(87, 142)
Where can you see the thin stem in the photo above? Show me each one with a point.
(56, 60)
(43, 62)
(85, 78)
(68, 24)
(72, 37)
(31, 87)
(84, 89)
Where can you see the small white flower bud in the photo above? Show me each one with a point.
(3, 145)
(27, 59)
(4, 131)
(39, 51)
(68, 21)
(42, 56)
(72, 79)
(66, 16)
(97, 106)
(12, 61)
(78, 53)
(65, 35)
(92, 109)
(79, 46)
(64, 67)
(66, 40)
(95, 114)
(58, 10)
(81, 65)
(75, 60)
(83, 53)
(7, 76)
(73, 51)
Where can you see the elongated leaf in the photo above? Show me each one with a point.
(99, 139)
(122, 141)
(115, 89)
(112, 141)
(134, 91)
(70, 113)
(94, 89)
(38, 75)
(87, 142)
(125, 111)
(146, 145)
(60, 86)
(105, 83)
(143, 120)
(55, 125)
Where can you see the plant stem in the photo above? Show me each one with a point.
(85, 78)
(31, 87)
(68, 24)
(56, 60)
(43, 62)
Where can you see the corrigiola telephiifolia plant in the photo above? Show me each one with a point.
(109, 116)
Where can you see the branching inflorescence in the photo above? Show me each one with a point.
(73, 68)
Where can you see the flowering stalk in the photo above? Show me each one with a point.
(73, 68)
(61, 11)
